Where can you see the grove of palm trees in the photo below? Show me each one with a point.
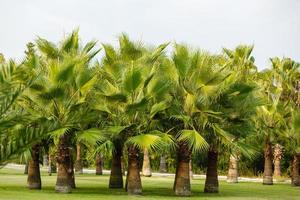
(135, 110)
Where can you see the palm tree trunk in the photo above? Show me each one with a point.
(71, 173)
(78, 162)
(133, 179)
(63, 164)
(116, 175)
(233, 173)
(268, 171)
(191, 169)
(163, 164)
(51, 165)
(211, 181)
(34, 176)
(295, 170)
(26, 169)
(99, 162)
(146, 164)
(182, 185)
(277, 160)
(123, 165)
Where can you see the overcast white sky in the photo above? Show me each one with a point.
(273, 26)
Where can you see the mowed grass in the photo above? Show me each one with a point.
(90, 187)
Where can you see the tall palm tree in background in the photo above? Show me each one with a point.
(241, 62)
(286, 72)
(270, 118)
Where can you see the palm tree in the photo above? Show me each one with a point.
(277, 155)
(60, 95)
(286, 72)
(206, 94)
(129, 91)
(241, 62)
(270, 121)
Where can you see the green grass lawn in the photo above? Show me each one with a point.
(13, 187)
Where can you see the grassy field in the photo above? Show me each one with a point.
(90, 187)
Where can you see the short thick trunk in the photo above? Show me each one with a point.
(63, 181)
(163, 164)
(71, 174)
(34, 176)
(268, 170)
(233, 173)
(52, 165)
(211, 181)
(182, 185)
(277, 160)
(191, 169)
(78, 162)
(123, 166)
(116, 176)
(26, 169)
(133, 180)
(295, 170)
(146, 164)
(99, 164)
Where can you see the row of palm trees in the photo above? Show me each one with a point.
(139, 100)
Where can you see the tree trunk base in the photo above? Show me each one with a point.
(115, 182)
(63, 189)
(183, 191)
(182, 185)
(211, 181)
(34, 186)
(78, 167)
(134, 191)
(268, 180)
(232, 180)
(133, 181)
(211, 188)
(268, 171)
(146, 170)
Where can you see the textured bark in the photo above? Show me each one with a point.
(116, 175)
(233, 172)
(123, 166)
(211, 181)
(26, 169)
(133, 180)
(182, 185)
(277, 160)
(146, 164)
(63, 164)
(71, 174)
(99, 163)
(34, 176)
(268, 171)
(78, 162)
(191, 169)
(295, 170)
(163, 164)
(51, 166)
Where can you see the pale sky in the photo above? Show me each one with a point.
(273, 26)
